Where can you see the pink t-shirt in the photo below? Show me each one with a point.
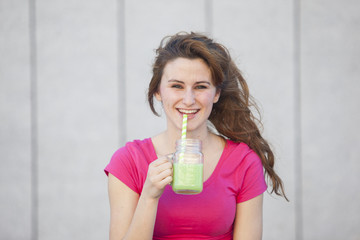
(237, 177)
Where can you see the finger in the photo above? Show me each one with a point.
(166, 181)
(162, 175)
(159, 161)
(164, 166)
(159, 165)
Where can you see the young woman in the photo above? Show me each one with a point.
(194, 75)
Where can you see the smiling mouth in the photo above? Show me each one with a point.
(188, 111)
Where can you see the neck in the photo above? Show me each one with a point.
(204, 135)
(200, 133)
(165, 141)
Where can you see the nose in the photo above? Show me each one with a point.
(189, 97)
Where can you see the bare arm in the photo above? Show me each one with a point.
(131, 216)
(248, 219)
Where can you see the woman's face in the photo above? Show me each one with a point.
(186, 88)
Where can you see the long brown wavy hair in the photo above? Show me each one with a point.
(231, 116)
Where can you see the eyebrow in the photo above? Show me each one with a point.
(198, 82)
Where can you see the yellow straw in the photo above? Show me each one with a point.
(184, 125)
(183, 135)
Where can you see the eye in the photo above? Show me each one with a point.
(201, 87)
(178, 86)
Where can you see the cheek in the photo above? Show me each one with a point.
(207, 99)
(161, 94)
(167, 97)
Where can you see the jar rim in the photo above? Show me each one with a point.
(188, 142)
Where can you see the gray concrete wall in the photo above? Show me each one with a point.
(15, 122)
(73, 78)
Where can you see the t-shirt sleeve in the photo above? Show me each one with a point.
(253, 180)
(122, 167)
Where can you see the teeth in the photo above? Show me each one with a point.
(187, 111)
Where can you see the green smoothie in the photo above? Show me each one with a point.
(187, 178)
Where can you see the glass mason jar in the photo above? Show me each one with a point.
(188, 167)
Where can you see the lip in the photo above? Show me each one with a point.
(187, 111)
(190, 112)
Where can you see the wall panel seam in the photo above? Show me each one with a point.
(209, 16)
(297, 122)
(121, 72)
(33, 120)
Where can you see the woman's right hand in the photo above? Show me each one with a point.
(133, 216)
(159, 175)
